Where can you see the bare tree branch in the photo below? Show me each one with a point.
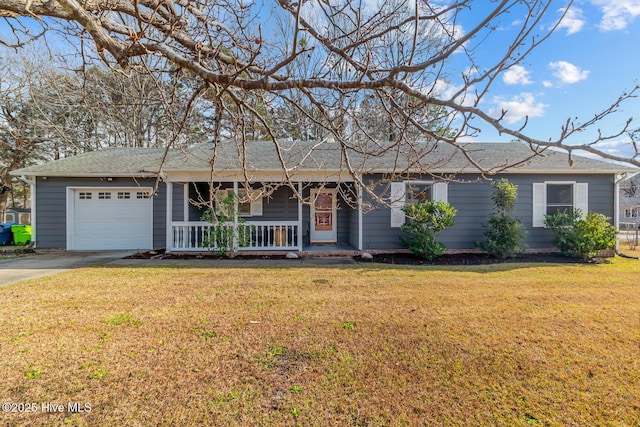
(367, 78)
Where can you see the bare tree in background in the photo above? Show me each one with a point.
(19, 140)
(50, 108)
(323, 63)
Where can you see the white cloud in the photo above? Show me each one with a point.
(471, 71)
(617, 14)
(567, 72)
(446, 90)
(620, 148)
(517, 108)
(547, 83)
(573, 20)
(516, 75)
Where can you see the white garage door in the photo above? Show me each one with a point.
(106, 218)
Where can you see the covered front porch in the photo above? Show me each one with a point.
(268, 218)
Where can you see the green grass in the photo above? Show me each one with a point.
(364, 345)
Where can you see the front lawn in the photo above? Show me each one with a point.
(364, 345)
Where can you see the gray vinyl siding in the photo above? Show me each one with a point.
(51, 206)
(344, 213)
(353, 228)
(51, 211)
(160, 218)
(471, 196)
(279, 206)
(177, 202)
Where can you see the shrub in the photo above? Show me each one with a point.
(426, 220)
(581, 237)
(505, 233)
(222, 236)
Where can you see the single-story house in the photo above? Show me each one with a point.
(302, 196)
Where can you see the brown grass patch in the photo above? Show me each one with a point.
(364, 345)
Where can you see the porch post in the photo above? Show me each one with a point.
(185, 202)
(169, 214)
(299, 216)
(235, 216)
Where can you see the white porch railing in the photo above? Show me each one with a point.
(250, 236)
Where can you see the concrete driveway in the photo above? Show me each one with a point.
(45, 263)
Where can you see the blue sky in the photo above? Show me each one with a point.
(580, 70)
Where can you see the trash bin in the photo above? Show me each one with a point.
(6, 236)
(21, 234)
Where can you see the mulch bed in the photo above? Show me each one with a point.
(474, 259)
(395, 258)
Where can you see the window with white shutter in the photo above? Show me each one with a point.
(410, 192)
(249, 203)
(556, 196)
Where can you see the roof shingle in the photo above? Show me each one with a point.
(322, 156)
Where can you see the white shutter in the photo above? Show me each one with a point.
(440, 192)
(582, 198)
(397, 201)
(256, 203)
(539, 204)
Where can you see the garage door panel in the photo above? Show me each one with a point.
(111, 219)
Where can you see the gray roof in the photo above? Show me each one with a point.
(317, 156)
(109, 161)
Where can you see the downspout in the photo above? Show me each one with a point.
(32, 193)
(360, 228)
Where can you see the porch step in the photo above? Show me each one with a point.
(329, 254)
(335, 259)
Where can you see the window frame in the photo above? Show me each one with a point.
(560, 206)
(417, 183)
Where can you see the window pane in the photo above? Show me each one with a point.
(418, 192)
(560, 194)
(244, 209)
(244, 204)
(324, 221)
(324, 202)
(553, 209)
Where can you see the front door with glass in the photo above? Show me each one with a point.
(323, 216)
